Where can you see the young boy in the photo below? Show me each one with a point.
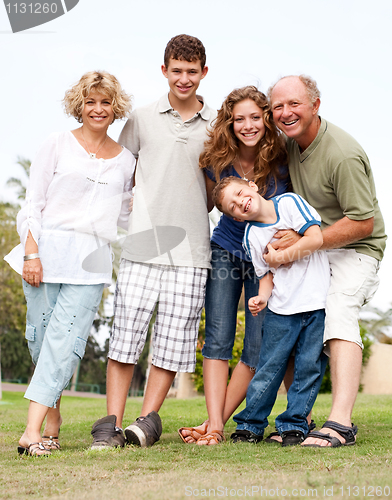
(166, 254)
(294, 282)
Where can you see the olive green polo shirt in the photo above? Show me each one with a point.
(333, 174)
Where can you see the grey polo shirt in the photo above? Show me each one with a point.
(169, 222)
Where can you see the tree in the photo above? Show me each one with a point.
(16, 361)
(378, 323)
(18, 183)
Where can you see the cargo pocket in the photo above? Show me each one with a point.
(80, 347)
(30, 332)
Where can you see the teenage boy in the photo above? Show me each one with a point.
(294, 282)
(166, 254)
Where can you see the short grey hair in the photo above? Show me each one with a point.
(310, 85)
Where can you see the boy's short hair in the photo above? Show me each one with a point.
(217, 193)
(185, 48)
(103, 83)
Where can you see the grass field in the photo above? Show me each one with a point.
(173, 470)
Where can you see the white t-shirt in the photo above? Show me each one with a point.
(302, 285)
(73, 206)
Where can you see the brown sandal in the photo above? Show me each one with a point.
(216, 436)
(194, 433)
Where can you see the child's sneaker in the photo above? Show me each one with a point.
(145, 431)
(106, 434)
(243, 436)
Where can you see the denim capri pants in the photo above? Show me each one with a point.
(223, 291)
(58, 323)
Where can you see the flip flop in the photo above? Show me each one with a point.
(348, 433)
(194, 433)
(32, 450)
(216, 436)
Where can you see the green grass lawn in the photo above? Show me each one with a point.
(172, 470)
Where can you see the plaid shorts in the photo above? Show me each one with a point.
(179, 292)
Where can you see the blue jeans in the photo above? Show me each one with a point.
(58, 323)
(223, 291)
(281, 334)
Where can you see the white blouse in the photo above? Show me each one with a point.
(73, 206)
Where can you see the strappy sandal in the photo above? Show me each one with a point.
(194, 433)
(269, 439)
(216, 436)
(32, 450)
(50, 443)
(348, 433)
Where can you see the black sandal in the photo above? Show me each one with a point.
(348, 433)
(268, 439)
(32, 450)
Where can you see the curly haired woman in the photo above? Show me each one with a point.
(245, 143)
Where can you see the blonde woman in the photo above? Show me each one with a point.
(79, 191)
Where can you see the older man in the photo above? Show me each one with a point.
(332, 172)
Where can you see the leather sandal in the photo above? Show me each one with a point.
(194, 433)
(269, 439)
(50, 443)
(33, 449)
(216, 436)
(348, 433)
(292, 438)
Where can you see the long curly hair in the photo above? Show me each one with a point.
(221, 147)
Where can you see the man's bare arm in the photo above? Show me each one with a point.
(346, 231)
(340, 234)
(310, 242)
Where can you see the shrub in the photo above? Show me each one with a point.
(237, 349)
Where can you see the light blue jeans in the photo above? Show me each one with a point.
(58, 323)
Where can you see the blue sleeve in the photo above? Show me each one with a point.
(282, 184)
(210, 174)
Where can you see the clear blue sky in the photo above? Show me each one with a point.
(344, 45)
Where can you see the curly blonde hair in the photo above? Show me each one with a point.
(221, 147)
(103, 83)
